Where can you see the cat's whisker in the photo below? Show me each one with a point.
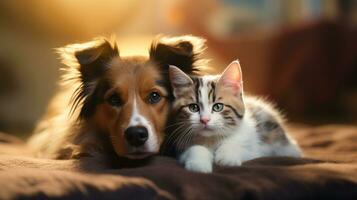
(175, 124)
(184, 133)
(191, 136)
(172, 135)
(179, 135)
(182, 138)
(171, 139)
(188, 137)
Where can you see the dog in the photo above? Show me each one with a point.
(108, 104)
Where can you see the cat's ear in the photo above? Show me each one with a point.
(178, 79)
(232, 77)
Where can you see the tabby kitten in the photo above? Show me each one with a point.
(215, 123)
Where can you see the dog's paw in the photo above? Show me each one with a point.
(227, 157)
(198, 166)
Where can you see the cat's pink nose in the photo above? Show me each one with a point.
(205, 120)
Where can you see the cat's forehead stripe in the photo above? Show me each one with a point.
(213, 89)
(205, 90)
(212, 86)
(204, 100)
(197, 88)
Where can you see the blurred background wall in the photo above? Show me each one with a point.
(301, 54)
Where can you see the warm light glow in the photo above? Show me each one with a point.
(130, 46)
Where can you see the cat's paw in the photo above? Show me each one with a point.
(197, 158)
(227, 157)
(198, 166)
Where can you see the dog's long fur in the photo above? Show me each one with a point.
(79, 122)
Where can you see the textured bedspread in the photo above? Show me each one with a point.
(328, 171)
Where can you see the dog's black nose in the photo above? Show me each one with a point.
(136, 135)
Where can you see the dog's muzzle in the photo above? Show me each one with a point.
(136, 135)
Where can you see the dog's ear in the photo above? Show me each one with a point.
(85, 65)
(90, 59)
(183, 52)
(94, 60)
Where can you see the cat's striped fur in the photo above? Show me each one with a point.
(215, 123)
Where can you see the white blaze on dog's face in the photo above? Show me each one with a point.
(135, 107)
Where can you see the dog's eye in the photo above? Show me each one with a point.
(114, 100)
(217, 107)
(194, 107)
(154, 97)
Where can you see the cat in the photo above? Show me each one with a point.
(214, 123)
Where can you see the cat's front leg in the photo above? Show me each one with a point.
(197, 158)
(234, 153)
(228, 155)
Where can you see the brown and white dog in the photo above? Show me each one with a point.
(108, 103)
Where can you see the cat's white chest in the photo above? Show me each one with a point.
(241, 146)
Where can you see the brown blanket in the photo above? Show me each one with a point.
(328, 171)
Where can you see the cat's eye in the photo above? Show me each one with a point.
(114, 100)
(193, 107)
(154, 97)
(217, 107)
